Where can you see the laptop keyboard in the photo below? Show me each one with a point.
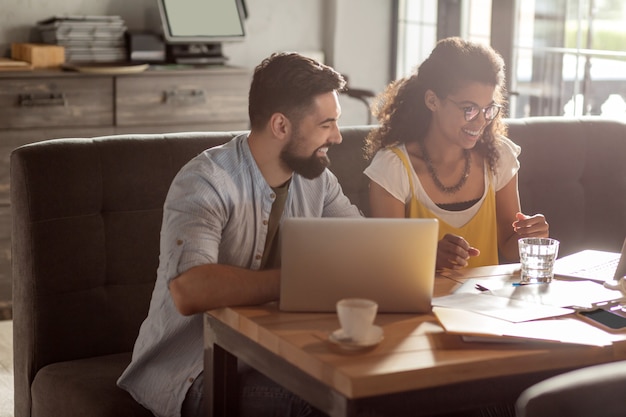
(599, 271)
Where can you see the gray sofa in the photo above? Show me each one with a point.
(86, 218)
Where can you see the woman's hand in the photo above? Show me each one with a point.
(531, 226)
(453, 252)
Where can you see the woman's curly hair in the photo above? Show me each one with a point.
(401, 109)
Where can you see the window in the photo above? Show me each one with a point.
(417, 33)
(566, 56)
(422, 22)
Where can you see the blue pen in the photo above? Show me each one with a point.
(521, 284)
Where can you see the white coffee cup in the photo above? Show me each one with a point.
(356, 316)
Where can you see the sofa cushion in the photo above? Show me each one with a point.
(84, 387)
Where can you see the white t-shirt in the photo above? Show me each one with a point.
(388, 171)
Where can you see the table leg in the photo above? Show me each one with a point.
(221, 382)
(224, 346)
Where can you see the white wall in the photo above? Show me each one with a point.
(354, 35)
(362, 48)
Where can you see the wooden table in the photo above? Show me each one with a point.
(443, 372)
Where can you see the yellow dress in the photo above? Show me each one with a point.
(481, 231)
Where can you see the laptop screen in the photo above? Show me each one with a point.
(391, 261)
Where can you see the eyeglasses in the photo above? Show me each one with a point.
(471, 110)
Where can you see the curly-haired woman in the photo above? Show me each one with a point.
(440, 151)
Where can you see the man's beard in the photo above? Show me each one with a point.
(310, 166)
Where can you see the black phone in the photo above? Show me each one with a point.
(605, 319)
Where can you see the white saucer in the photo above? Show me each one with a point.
(373, 338)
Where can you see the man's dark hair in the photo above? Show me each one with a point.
(287, 83)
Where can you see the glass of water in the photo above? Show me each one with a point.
(537, 256)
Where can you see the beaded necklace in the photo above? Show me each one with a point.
(431, 170)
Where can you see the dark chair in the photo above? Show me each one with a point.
(364, 96)
(594, 391)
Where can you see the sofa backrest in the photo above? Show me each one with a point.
(87, 213)
(348, 163)
(86, 216)
(573, 170)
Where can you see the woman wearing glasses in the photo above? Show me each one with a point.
(440, 151)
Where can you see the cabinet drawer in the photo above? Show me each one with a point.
(49, 101)
(182, 99)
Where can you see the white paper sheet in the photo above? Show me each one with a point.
(503, 308)
(560, 330)
(556, 293)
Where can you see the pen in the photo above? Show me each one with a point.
(481, 288)
(521, 284)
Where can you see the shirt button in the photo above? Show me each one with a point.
(179, 242)
(272, 196)
(257, 257)
(191, 380)
(265, 222)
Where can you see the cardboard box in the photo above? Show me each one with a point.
(8, 64)
(39, 55)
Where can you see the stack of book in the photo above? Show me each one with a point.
(86, 38)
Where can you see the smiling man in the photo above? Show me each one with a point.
(220, 234)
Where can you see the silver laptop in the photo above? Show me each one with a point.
(592, 265)
(391, 261)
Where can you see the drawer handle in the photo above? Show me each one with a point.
(46, 99)
(191, 96)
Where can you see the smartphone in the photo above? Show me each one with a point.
(607, 320)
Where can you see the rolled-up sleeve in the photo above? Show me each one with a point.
(192, 222)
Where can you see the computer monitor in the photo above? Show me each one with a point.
(195, 29)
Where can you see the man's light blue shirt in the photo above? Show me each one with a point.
(216, 211)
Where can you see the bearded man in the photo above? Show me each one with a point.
(220, 235)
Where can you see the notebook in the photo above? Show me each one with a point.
(593, 265)
(391, 261)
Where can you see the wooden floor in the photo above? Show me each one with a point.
(6, 368)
